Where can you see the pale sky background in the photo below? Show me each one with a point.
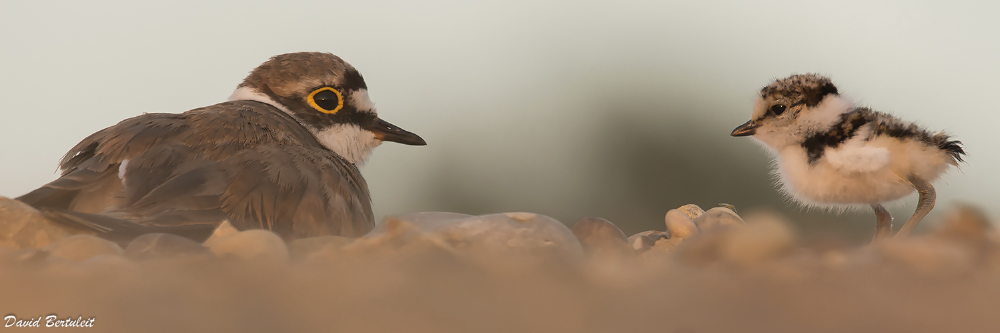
(567, 108)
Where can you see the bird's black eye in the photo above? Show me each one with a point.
(326, 100)
(777, 109)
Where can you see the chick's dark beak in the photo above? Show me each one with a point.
(388, 132)
(748, 128)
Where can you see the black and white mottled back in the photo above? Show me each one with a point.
(830, 152)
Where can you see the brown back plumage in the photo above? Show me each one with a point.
(244, 161)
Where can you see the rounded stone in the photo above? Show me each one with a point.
(225, 229)
(599, 236)
(645, 240)
(22, 226)
(304, 248)
(761, 241)
(680, 224)
(965, 223)
(521, 216)
(395, 236)
(25, 256)
(691, 210)
(426, 221)
(496, 233)
(163, 245)
(718, 217)
(254, 244)
(767, 238)
(666, 244)
(82, 247)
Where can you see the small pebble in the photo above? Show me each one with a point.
(679, 224)
(521, 216)
(965, 223)
(729, 206)
(667, 243)
(495, 233)
(764, 240)
(637, 242)
(645, 240)
(225, 229)
(396, 236)
(422, 221)
(529, 232)
(82, 247)
(692, 210)
(599, 237)
(718, 217)
(256, 244)
(432, 217)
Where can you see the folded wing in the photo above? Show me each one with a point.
(242, 161)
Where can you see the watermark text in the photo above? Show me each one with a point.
(50, 321)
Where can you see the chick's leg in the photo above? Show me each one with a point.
(883, 226)
(924, 205)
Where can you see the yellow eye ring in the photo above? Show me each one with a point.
(325, 105)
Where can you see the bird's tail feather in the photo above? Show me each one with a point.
(954, 149)
(122, 231)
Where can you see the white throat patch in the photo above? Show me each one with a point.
(349, 141)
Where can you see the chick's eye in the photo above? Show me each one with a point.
(326, 100)
(777, 109)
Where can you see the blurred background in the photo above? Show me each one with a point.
(566, 108)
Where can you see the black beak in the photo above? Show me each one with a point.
(388, 132)
(748, 128)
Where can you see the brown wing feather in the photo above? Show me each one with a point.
(281, 184)
(244, 161)
(89, 181)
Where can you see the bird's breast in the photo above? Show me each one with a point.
(843, 176)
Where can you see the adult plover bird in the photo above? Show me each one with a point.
(830, 152)
(281, 155)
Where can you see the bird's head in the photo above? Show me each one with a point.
(329, 97)
(788, 110)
